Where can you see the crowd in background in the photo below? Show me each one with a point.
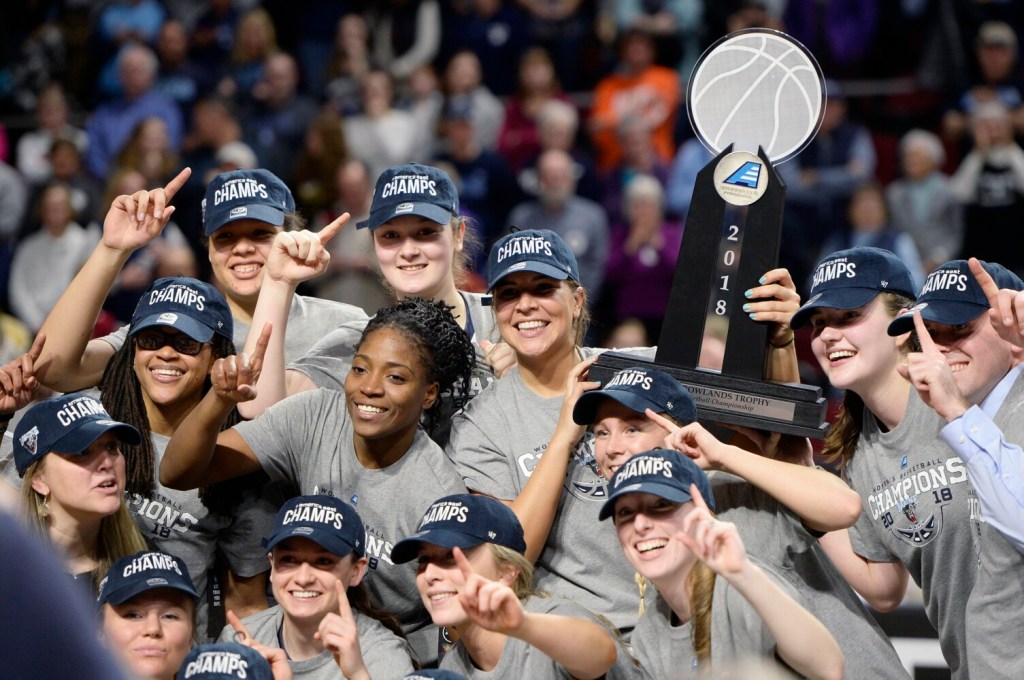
(568, 115)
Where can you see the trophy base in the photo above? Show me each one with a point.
(775, 407)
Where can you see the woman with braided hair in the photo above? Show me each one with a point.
(363, 445)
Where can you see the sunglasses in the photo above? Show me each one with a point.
(153, 340)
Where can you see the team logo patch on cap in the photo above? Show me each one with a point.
(30, 440)
(516, 267)
(167, 318)
(403, 208)
(239, 211)
(154, 582)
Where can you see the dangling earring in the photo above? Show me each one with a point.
(44, 507)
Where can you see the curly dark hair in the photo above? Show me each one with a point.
(441, 345)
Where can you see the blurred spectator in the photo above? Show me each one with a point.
(405, 33)
(868, 224)
(46, 261)
(315, 172)
(580, 222)
(642, 259)
(488, 189)
(148, 151)
(349, 64)
(628, 333)
(497, 32)
(464, 77)
(921, 203)
(519, 140)
(640, 89)
(353, 275)
(214, 124)
(34, 146)
(638, 157)
(839, 33)
(990, 184)
(66, 161)
(675, 25)
(125, 21)
(13, 199)
(255, 42)
(382, 135)
(180, 79)
(275, 122)
(316, 24)
(234, 156)
(424, 101)
(214, 35)
(682, 175)
(821, 179)
(563, 27)
(112, 123)
(997, 79)
(557, 127)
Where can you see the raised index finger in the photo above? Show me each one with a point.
(463, 563)
(697, 498)
(261, 344)
(241, 632)
(662, 421)
(344, 609)
(332, 229)
(985, 280)
(37, 347)
(927, 344)
(175, 184)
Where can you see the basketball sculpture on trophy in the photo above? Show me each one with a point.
(755, 98)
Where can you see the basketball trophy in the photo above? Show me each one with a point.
(756, 97)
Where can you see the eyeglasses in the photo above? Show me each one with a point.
(153, 340)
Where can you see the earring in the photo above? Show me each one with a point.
(44, 507)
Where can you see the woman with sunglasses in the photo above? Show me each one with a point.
(364, 444)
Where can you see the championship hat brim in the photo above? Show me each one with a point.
(407, 549)
(81, 438)
(260, 212)
(430, 211)
(182, 322)
(950, 312)
(585, 411)
(130, 590)
(666, 491)
(542, 268)
(328, 540)
(839, 298)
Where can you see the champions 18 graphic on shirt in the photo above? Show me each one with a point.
(910, 504)
(584, 480)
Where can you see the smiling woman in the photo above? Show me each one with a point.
(363, 444)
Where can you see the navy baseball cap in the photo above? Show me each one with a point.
(531, 250)
(66, 424)
(463, 521)
(663, 473)
(327, 521)
(851, 278)
(638, 388)
(141, 572)
(435, 673)
(224, 661)
(245, 195)
(951, 295)
(412, 189)
(193, 307)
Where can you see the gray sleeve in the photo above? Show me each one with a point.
(738, 631)
(480, 461)
(280, 435)
(866, 543)
(8, 470)
(227, 635)
(252, 521)
(329, 360)
(385, 654)
(117, 338)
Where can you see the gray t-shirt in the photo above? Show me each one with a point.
(737, 633)
(497, 441)
(309, 320)
(522, 660)
(995, 608)
(917, 509)
(307, 440)
(328, 362)
(774, 535)
(384, 653)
